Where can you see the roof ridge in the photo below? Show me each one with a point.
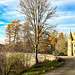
(70, 35)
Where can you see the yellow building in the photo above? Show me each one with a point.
(71, 44)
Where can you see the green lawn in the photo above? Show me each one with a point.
(40, 67)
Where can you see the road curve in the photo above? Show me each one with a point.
(67, 69)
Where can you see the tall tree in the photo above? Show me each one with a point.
(9, 32)
(13, 31)
(27, 36)
(26, 32)
(61, 42)
(16, 29)
(53, 39)
(37, 12)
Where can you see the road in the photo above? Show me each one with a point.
(67, 69)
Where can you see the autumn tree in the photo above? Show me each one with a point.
(13, 34)
(9, 33)
(43, 43)
(27, 36)
(53, 39)
(61, 42)
(13, 31)
(26, 32)
(16, 30)
(48, 42)
(37, 12)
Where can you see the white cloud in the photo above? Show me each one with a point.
(12, 14)
(2, 34)
(8, 2)
(2, 22)
(10, 10)
(66, 28)
(67, 25)
(65, 17)
(22, 22)
(62, 28)
(62, 2)
(3, 2)
(2, 38)
(61, 17)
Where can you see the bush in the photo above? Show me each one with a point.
(12, 65)
(64, 53)
(56, 52)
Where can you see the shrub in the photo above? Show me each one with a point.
(12, 65)
(56, 52)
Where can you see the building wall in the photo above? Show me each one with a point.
(73, 48)
(70, 47)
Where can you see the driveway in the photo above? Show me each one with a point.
(67, 69)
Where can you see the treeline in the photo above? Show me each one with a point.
(20, 38)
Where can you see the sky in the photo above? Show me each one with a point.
(65, 11)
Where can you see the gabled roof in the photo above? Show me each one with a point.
(70, 36)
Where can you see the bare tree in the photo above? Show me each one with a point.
(37, 12)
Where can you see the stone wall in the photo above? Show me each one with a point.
(31, 57)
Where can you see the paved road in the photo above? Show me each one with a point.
(67, 69)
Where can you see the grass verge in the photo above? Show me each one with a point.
(42, 67)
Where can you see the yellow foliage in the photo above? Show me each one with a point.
(52, 38)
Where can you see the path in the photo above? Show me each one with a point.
(67, 69)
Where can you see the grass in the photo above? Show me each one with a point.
(40, 67)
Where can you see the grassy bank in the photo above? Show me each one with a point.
(42, 67)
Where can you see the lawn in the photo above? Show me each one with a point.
(42, 67)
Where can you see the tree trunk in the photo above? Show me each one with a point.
(14, 38)
(9, 39)
(36, 57)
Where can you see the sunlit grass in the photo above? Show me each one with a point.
(38, 68)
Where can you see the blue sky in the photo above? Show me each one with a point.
(65, 11)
